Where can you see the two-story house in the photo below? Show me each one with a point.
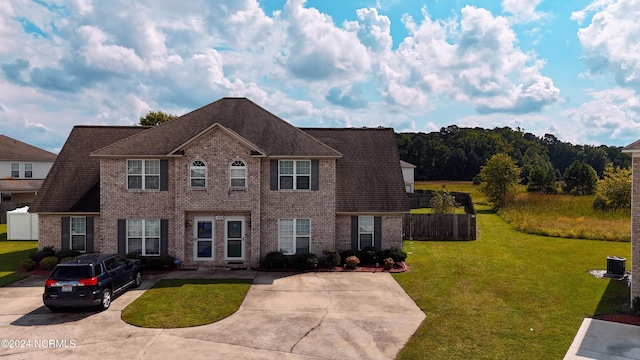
(23, 168)
(224, 184)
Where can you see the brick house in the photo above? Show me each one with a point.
(223, 185)
(634, 150)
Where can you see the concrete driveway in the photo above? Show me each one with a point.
(284, 316)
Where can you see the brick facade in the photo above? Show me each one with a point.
(635, 229)
(391, 231)
(50, 231)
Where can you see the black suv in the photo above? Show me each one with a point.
(90, 280)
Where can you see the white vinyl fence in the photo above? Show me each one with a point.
(22, 225)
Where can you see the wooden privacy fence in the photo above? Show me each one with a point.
(439, 226)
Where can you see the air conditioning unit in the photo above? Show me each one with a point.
(616, 267)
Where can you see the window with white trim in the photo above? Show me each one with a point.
(294, 174)
(365, 232)
(143, 174)
(78, 234)
(294, 236)
(15, 170)
(238, 174)
(198, 174)
(143, 236)
(28, 170)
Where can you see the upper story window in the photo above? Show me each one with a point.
(143, 174)
(294, 174)
(198, 174)
(28, 170)
(15, 170)
(238, 174)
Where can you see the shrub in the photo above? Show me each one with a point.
(48, 263)
(66, 254)
(275, 260)
(388, 263)
(66, 259)
(352, 261)
(304, 261)
(331, 258)
(396, 254)
(635, 306)
(27, 265)
(37, 256)
(345, 254)
(370, 256)
(133, 255)
(159, 263)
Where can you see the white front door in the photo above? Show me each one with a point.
(234, 238)
(203, 243)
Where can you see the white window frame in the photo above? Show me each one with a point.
(365, 231)
(296, 172)
(197, 167)
(238, 166)
(28, 170)
(79, 233)
(292, 236)
(143, 235)
(15, 170)
(144, 173)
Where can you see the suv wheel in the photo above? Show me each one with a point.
(137, 280)
(106, 299)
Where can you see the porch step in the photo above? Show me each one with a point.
(237, 265)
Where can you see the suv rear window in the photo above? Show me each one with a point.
(71, 272)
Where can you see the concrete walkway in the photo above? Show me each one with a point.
(284, 316)
(605, 340)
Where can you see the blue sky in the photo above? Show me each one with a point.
(569, 68)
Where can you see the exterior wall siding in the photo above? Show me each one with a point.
(319, 206)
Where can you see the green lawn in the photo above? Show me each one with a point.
(182, 303)
(507, 295)
(11, 252)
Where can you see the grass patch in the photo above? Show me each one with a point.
(3, 232)
(11, 253)
(178, 303)
(458, 210)
(566, 216)
(507, 295)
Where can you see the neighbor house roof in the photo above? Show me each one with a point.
(73, 183)
(368, 176)
(15, 150)
(20, 185)
(631, 148)
(268, 134)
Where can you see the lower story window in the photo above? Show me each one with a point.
(365, 232)
(78, 234)
(294, 236)
(143, 236)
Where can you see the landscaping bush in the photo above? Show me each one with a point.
(370, 256)
(48, 263)
(396, 254)
(331, 258)
(133, 255)
(635, 306)
(304, 261)
(158, 263)
(37, 256)
(27, 265)
(345, 254)
(66, 254)
(66, 259)
(275, 260)
(352, 261)
(388, 263)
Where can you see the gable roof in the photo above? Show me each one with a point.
(632, 148)
(73, 183)
(368, 176)
(15, 150)
(268, 133)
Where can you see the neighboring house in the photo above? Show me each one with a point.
(223, 185)
(408, 175)
(23, 168)
(634, 150)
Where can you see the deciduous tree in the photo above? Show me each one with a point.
(579, 179)
(501, 177)
(154, 118)
(614, 190)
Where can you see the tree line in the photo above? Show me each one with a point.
(456, 153)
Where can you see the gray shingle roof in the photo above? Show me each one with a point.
(368, 176)
(633, 147)
(15, 150)
(73, 183)
(20, 185)
(267, 132)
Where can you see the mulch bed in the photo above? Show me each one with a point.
(620, 318)
(398, 268)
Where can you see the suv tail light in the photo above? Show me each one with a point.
(88, 282)
(49, 282)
